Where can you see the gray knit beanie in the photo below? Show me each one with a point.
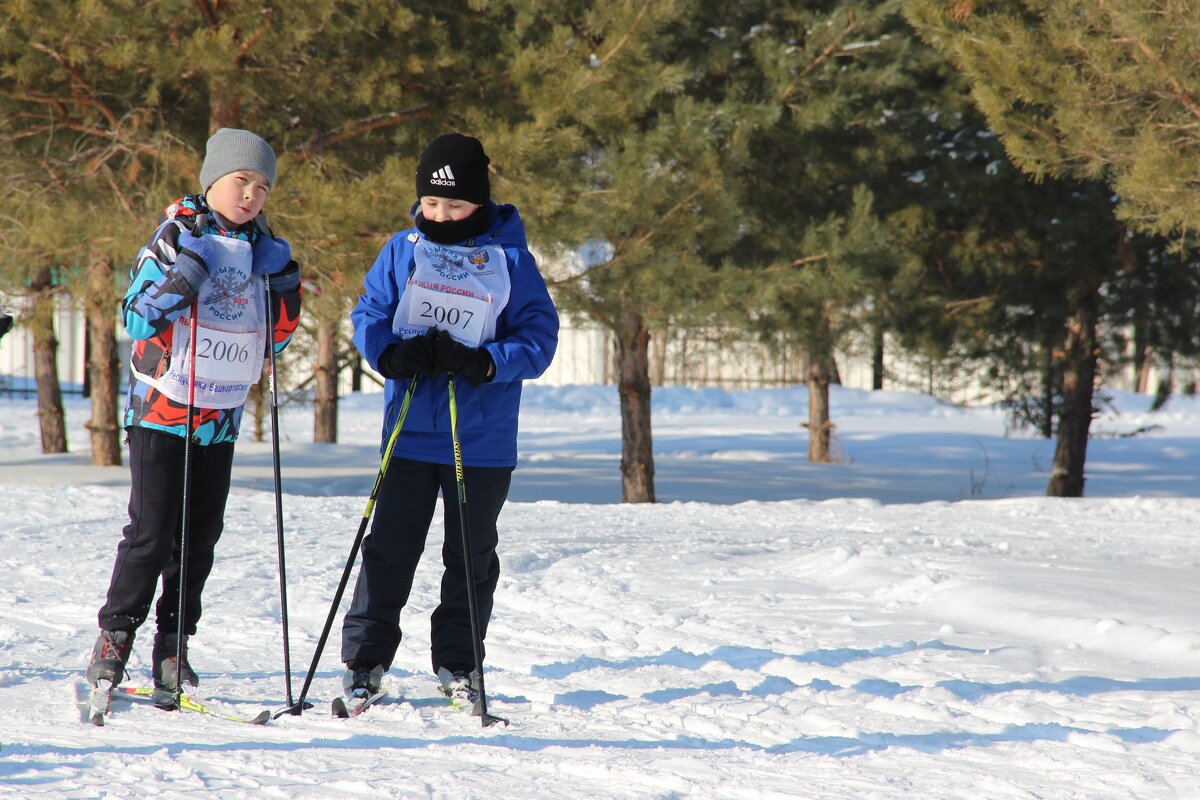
(232, 149)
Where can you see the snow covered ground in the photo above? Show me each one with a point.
(914, 621)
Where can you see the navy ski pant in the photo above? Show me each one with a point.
(390, 553)
(149, 551)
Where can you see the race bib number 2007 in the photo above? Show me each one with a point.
(464, 317)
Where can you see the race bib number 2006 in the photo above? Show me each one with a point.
(226, 356)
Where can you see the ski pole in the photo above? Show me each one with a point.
(283, 603)
(180, 616)
(298, 707)
(472, 603)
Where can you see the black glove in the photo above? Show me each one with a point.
(473, 363)
(412, 356)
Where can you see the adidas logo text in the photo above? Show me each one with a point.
(443, 177)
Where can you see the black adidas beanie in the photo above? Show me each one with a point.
(454, 166)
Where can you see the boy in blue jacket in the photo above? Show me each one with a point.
(456, 297)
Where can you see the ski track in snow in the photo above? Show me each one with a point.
(1003, 648)
(803, 649)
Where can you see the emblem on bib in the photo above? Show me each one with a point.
(449, 263)
(480, 260)
(227, 300)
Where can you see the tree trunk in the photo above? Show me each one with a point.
(658, 361)
(1080, 353)
(819, 426)
(633, 385)
(877, 361)
(259, 400)
(1166, 386)
(1130, 266)
(356, 372)
(87, 361)
(1142, 362)
(224, 108)
(102, 367)
(1047, 420)
(51, 420)
(325, 406)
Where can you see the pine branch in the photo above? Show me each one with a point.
(1177, 91)
(208, 11)
(357, 128)
(248, 46)
(117, 192)
(92, 95)
(800, 262)
(628, 34)
(661, 225)
(954, 307)
(852, 25)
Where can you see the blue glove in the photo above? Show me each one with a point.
(271, 254)
(192, 256)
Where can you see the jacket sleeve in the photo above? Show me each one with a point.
(527, 333)
(286, 305)
(158, 292)
(372, 315)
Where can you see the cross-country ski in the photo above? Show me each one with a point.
(347, 707)
(931, 642)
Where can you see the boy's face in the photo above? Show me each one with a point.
(238, 196)
(446, 209)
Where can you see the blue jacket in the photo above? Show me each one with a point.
(526, 337)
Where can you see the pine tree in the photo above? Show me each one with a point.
(72, 153)
(621, 143)
(1092, 89)
(106, 108)
(1090, 92)
(853, 91)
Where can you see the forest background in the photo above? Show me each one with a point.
(1008, 185)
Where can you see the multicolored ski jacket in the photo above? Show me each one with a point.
(158, 294)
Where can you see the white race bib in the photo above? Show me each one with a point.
(461, 290)
(231, 334)
(464, 317)
(226, 356)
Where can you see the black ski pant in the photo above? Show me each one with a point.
(390, 553)
(149, 550)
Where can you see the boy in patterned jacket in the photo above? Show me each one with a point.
(208, 264)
